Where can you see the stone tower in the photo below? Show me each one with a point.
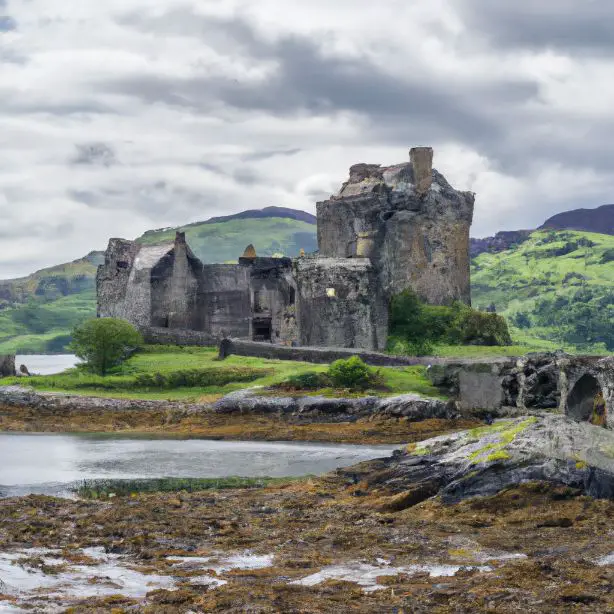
(411, 224)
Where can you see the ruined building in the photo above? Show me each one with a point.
(388, 229)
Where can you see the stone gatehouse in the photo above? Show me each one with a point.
(387, 229)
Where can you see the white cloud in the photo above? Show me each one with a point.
(192, 109)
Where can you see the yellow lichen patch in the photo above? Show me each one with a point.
(505, 432)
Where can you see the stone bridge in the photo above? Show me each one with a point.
(581, 387)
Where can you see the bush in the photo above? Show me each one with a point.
(307, 381)
(353, 373)
(104, 343)
(420, 326)
(607, 256)
(473, 327)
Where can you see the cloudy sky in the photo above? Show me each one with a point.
(118, 116)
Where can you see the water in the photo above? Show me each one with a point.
(52, 463)
(46, 364)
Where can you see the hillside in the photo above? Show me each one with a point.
(225, 241)
(556, 286)
(600, 220)
(38, 312)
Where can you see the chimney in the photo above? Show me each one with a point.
(421, 159)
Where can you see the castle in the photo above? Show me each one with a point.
(387, 229)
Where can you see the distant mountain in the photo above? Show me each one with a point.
(52, 283)
(267, 212)
(599, 220)
(555, 287)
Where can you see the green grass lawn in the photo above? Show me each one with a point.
(171, 360)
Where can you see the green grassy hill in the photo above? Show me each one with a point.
(555, 288)
(226, 241)
(38, 312)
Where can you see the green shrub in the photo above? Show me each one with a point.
(198, 378)
(353, 373)
(472, 327)
(419, 326)
(104, 343)
(307, 381)
(607, 256)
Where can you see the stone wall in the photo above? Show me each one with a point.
(320, 355)
(420, 232)
(339, 305)
(7, 365)
(225, 301)
(556, 382)
(177, 336)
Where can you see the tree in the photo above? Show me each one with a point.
(104, 343)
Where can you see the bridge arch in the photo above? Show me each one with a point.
(585, 402)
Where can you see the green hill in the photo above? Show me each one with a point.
(38, 312)
(556, 286)
(225, 241)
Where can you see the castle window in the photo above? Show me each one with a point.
(330, 292)
(122, 264)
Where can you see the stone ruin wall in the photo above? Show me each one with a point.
(416, 226)
(388, 229)
(339, 304)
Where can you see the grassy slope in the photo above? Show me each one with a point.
(529, 279)
(166, 360)
(226, 241)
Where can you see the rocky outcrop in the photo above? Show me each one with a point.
(410, 406)
(484, 461)
(249, 401)
(499, 243)
(7, 365)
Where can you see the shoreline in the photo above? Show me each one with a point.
(239, 416)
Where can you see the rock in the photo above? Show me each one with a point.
(7, 365)
(409, 406)
(484, 461)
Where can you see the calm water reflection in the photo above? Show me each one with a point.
(47, 463)
(46, 364)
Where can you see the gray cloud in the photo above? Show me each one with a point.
(179, 116)
(559, 24)
(95, 154)
(307, 80)
(7, 23)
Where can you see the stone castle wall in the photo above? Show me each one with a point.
(417, 223)
(387, 230)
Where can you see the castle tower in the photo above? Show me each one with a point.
(409, 221)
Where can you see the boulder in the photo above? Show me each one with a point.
(486, 460)
(7, 365)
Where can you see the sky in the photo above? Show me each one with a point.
(126, 115)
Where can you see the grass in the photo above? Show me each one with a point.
(226, 241)
(529, 278)
(100, 489)
(232, 374)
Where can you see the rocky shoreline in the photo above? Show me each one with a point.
(494, 518)
(251, 414)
